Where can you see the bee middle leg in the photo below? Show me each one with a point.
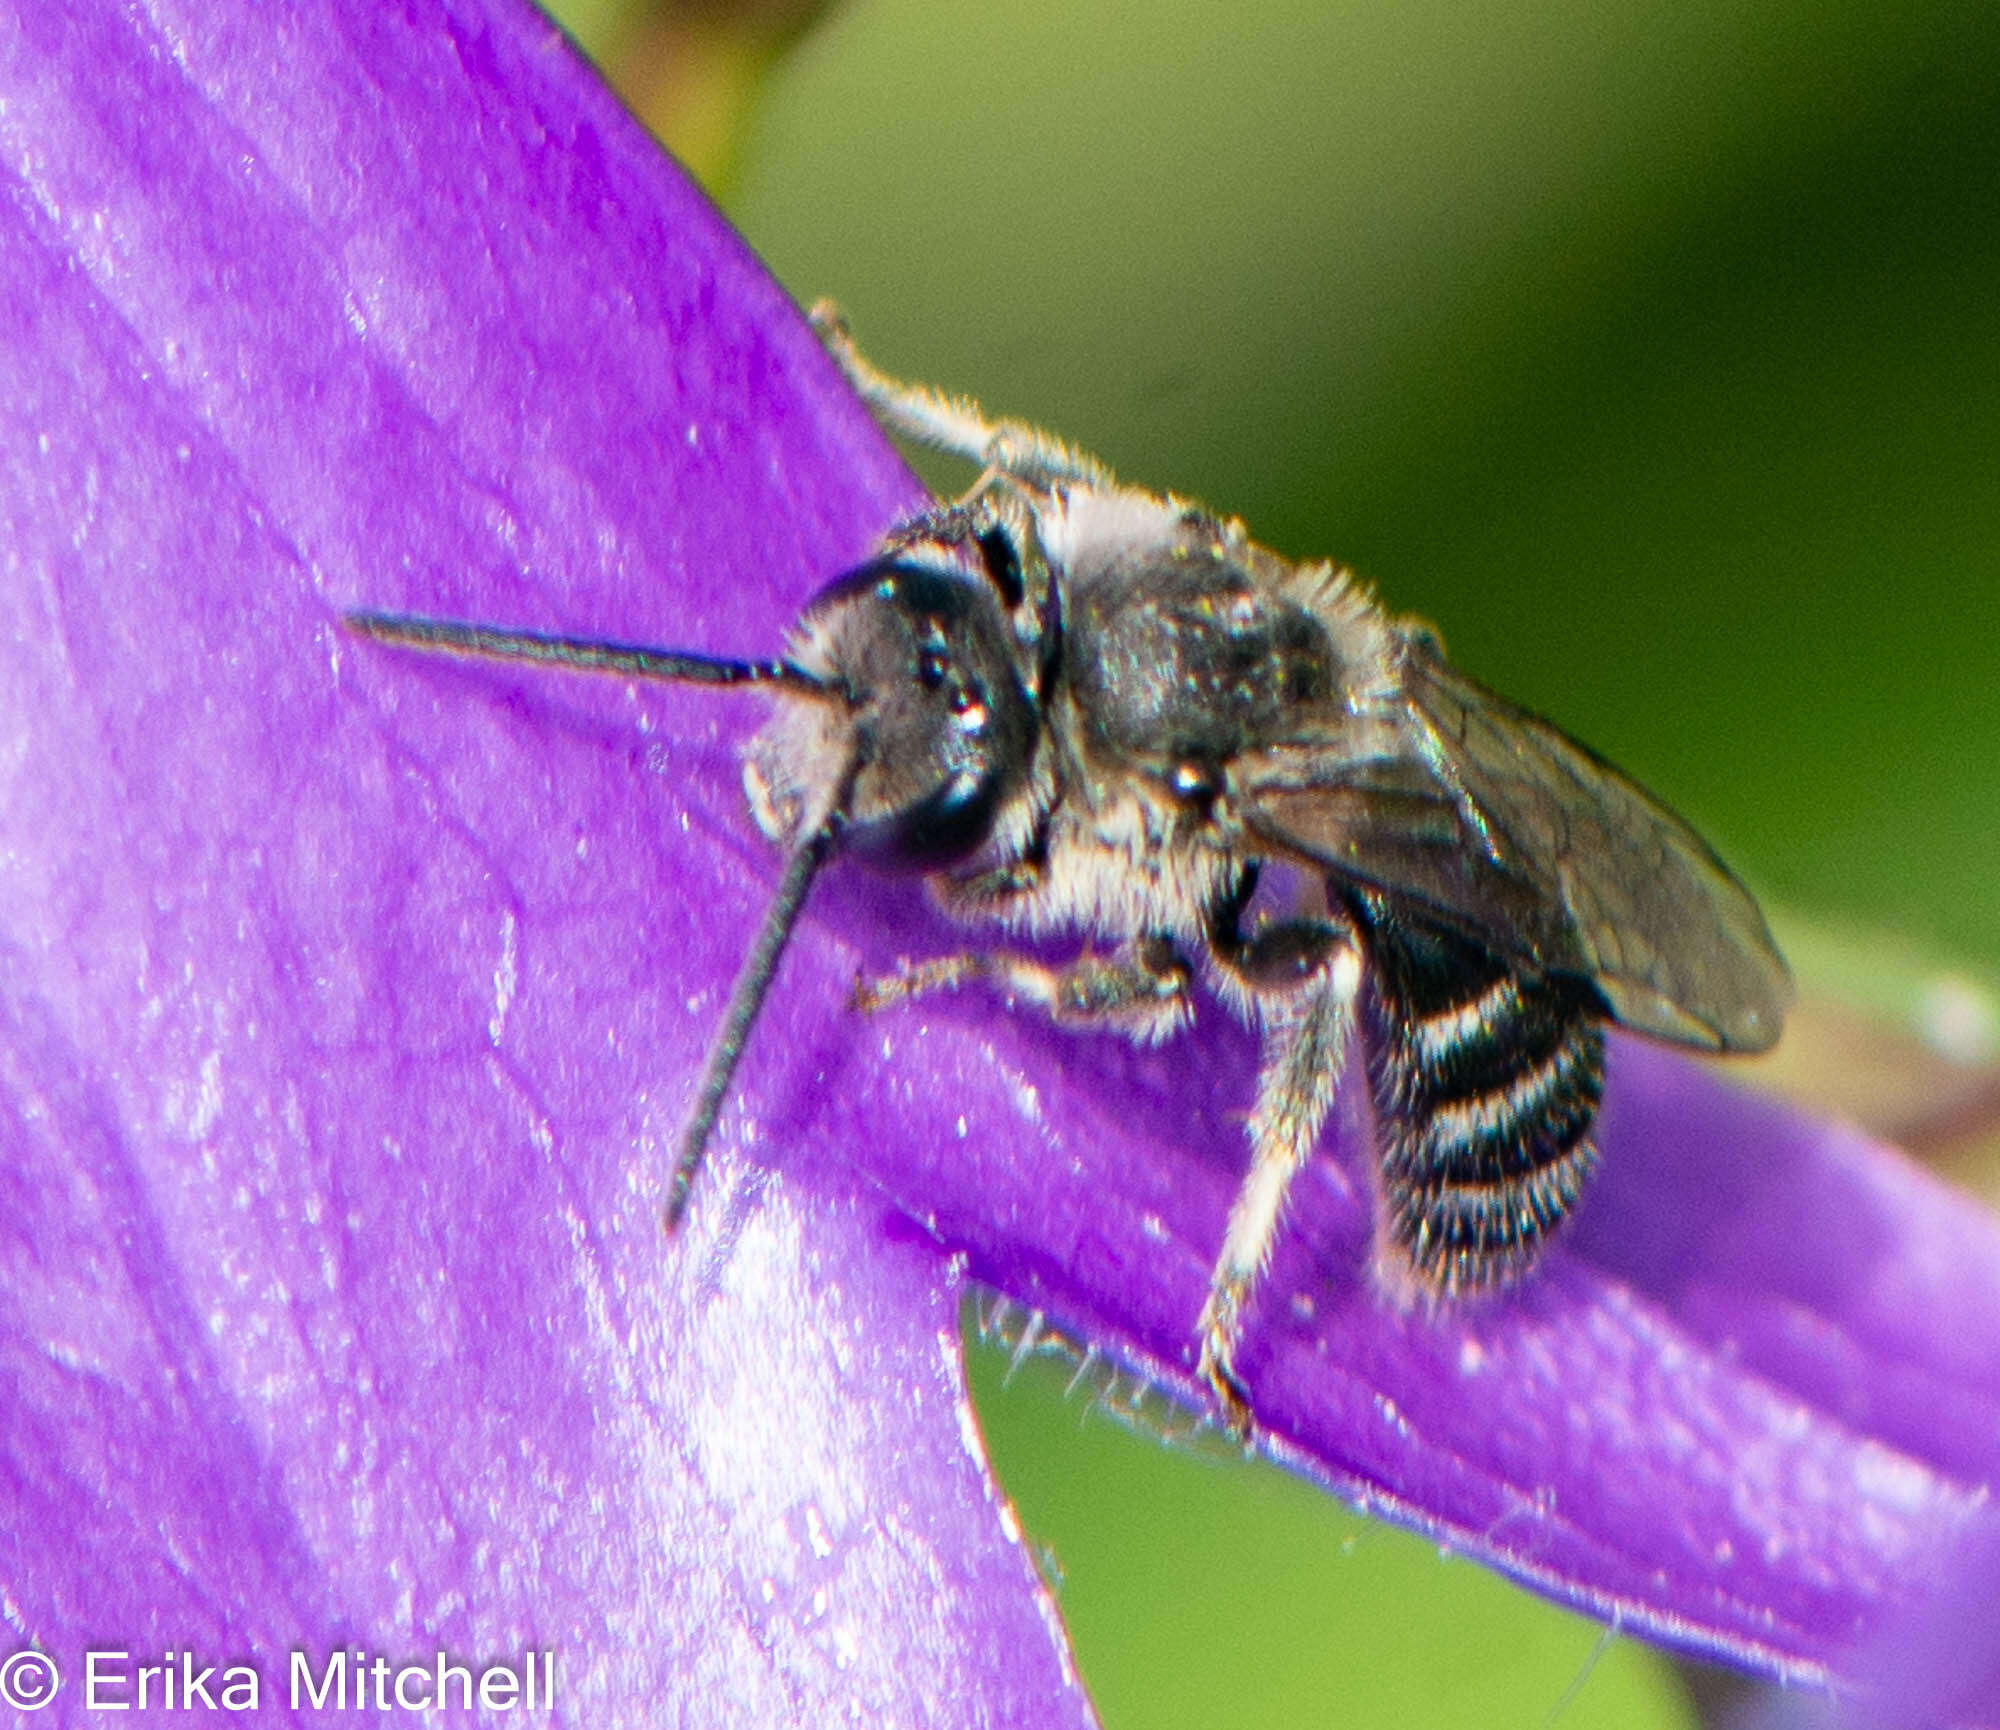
(1142, 990)
(1302, 978)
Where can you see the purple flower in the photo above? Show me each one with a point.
(350, 1003)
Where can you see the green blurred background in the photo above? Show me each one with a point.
(1649, 347)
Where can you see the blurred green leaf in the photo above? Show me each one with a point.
(1246, 1597)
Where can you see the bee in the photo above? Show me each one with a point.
(1074, 706)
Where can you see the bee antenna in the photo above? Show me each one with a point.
(746, 997)
(583, 655)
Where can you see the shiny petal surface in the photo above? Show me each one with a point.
(346, 1004)
(350, 1003)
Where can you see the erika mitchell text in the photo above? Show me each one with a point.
(345, 1680)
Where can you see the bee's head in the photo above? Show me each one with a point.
(930, 717)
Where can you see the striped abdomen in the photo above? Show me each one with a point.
(1486, 1082)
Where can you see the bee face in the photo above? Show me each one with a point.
(932, 710)
(1075, 705)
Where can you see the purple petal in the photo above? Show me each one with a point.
(1936, 1664)
(1752, 1409)
(353, 1000)
(349, 1002)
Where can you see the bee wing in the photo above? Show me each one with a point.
(1492, 819)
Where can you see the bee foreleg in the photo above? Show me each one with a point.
(1142, 991)
(993, 892)
(1305, 1036)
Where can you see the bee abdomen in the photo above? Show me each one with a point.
(1486, 1083)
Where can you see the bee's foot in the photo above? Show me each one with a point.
(1232, 1398)
(889, 989)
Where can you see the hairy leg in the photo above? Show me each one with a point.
(952, 424)
(1301, 978)
(1142, 991)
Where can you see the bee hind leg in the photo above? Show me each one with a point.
(1305, 1025)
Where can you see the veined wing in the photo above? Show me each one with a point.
(1496, 822)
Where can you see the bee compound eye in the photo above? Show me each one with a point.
(946, 824)
(942, 754)
(939, 706)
